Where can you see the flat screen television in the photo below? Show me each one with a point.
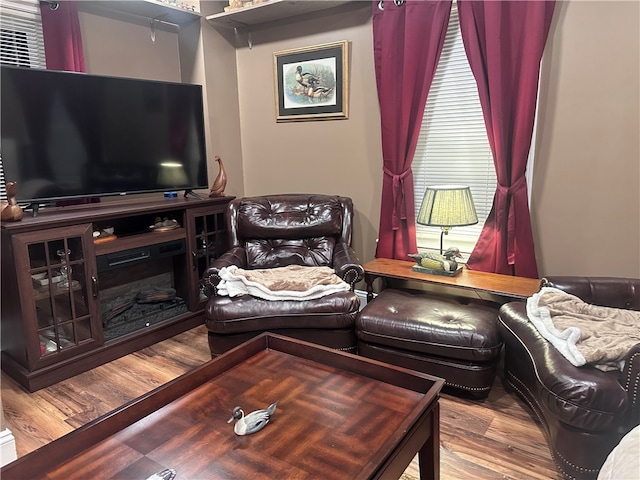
(75, 135)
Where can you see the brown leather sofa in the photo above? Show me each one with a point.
(584, 411)
(277, 231)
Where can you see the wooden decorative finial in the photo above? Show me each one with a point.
(10, 211)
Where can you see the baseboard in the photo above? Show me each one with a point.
(8, 451)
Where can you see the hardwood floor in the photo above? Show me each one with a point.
(490, 439)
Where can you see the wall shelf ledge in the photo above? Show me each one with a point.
(269, 11)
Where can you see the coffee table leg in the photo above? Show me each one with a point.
(429, 455)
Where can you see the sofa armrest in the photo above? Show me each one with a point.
(211, 278)
(347, 264)
(613, 292)
(631, 383)
(582, 397)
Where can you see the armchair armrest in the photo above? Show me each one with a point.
(211, 278)
(347, 264)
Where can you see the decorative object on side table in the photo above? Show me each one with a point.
(438, 264)
(253, 422)
(10, 211)
(447, 206)
(217, 189)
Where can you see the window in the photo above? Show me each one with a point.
(453, 147)
(21, 41)
(21, 44)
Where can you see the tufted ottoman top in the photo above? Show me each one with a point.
(432, 326)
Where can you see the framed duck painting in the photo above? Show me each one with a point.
(311, 83)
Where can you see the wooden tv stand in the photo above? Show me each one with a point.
(118, 296)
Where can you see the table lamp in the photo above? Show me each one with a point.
(447, 206)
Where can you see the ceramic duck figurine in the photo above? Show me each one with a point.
(10, 211)
(253, 422)
(220, 182)
(434, 261)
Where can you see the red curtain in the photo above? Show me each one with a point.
(504, 41)
(62, 38)
(63, 50)
(407, 42)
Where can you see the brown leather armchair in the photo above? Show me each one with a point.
(277, 231)
(584, 411)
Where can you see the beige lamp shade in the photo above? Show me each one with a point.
(447, 206)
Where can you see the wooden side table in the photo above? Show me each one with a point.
(480, 282)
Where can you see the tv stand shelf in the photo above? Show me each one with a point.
(69, 304)
(139, 240)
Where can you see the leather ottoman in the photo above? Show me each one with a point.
(442, 337)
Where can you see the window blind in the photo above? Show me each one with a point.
(21, 44)
(21, 40)
(452, 146)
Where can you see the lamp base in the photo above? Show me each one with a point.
(418, 268)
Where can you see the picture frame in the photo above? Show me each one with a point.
(312, 83)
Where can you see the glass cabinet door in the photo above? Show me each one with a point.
(210, 237)
(61, 271)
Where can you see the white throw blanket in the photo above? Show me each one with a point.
(584, 333)
(294, 282)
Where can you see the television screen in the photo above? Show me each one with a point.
(73, 135)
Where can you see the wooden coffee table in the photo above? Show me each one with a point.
(339, 416)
